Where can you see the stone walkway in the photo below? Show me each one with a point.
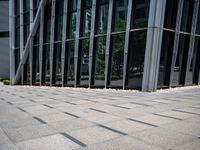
(44, 118)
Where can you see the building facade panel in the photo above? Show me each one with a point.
(138, 44)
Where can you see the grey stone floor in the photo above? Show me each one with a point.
(44, 118)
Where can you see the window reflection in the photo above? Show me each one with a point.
(171, 14)
(136, 56)
(140, 14)
(187, 15)
(102, 17)
(117, 60)
(100, 61)
(120, 15)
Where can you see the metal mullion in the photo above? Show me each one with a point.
(91, 49)
(31, 44)
(192, 39)
(52, 76)
(108, 40)
(176, 40)
(77, 42)
(127, 41)
(64, 31)
(12, 39)
(21, 38)
(41, 42)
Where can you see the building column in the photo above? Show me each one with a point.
(77, 43)
(12, 39)
(52, 75)
(41, 35)
(108, 42)
(31, 44)
(64, 36)
(92, 44)
(153, 45)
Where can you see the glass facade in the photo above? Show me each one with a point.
(94, 51)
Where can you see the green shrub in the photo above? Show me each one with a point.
(6, 82)
(1, 79)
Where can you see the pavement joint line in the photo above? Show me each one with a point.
(167, 116)
(187, 112)
(70, 103)
(195, 107)
(40, 120)
(121, 106)
(98, 110)
(48, 106)
(111, 129)
(73, 139)
(158, 102)
(142, 122)
(71, 115)
(21, 109)
(10, 103)
(140, 104)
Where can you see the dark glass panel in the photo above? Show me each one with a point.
(84, 61)
(86, 4)
(17, 59)
(198, 22)
(171, 14)
(140, 13)
(120, 15)
(26, 5)
(117, 60)
(102, 18)
(193, 75)
(36, 69)
(17, 37)
(166, 58)
(17, 4)
(71, 22)
(187, 15)
(99, 55)
(70, 62)
(57, 62)
(59, 20)
(26, 73)
(181, 61)
(86, 22)
(46, 63)
(47, 22)
(136, 56)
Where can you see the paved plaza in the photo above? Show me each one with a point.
(45, 118)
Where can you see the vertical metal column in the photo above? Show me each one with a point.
(108, 40)
(176, 40)
(41, 41)
(31, 44)
(127, 41)
(21, 38)
(192, 39)
(77, 42)
(53, 6)
(12, 39)
(92, 40)
(64, 30)
(153, 45)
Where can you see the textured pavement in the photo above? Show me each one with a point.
(44, 118)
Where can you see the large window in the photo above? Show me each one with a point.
(166, 58)
(181, 61)
(136, 56)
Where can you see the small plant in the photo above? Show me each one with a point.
(6, 82)
(1, 79)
